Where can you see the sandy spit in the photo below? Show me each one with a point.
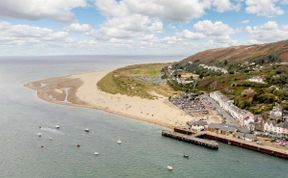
(83, 92)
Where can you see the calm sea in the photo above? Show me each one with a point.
(143, 152)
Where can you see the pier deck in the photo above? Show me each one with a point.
(200, 139)
(244, 144)
(191, 139)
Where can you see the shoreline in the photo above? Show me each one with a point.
(80, 90)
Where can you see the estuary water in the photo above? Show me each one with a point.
(143, 152)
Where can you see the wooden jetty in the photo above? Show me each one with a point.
(244, 144)
(206, 139)
(190, 139)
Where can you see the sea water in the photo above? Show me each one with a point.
(143, 152)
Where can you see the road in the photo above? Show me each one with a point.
(227, 117)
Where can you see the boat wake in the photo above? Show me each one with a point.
(52, 130)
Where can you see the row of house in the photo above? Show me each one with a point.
(213, 68)
(238, 132)
(227, 105)
(280, 128)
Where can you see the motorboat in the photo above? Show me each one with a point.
(39, 134)
(186, 156)
(87, 130)
(170, 168)
(57, 126)
(119, 141)
(96, 153)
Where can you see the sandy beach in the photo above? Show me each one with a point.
(81, 90)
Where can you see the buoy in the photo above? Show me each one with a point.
(57, 126)
(40, 127)
(39, 134)
(87, 130)
(96, 153)
(119, 141)
(78, 146)
(42, 146)
(170, 168)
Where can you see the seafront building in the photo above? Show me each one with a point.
(254, 122)
(227, 104)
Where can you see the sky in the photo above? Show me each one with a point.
(137, 27)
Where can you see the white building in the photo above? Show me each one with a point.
(213, 68)
(228, 105)
(281, 128)
(269, 127)
(276, 112)
(257, 79)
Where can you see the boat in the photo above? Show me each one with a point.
(50, 138)
(170, 168)
(119, 141)
(57, 126)
(96, 153)
(87, 130)
(186, 156)
(39, 134)
(78, 145)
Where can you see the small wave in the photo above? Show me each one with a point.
(51, 130)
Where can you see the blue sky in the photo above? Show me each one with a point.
(136, 27)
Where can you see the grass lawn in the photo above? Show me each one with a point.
(137, 80)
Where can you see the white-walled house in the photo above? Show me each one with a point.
(257, 79)
(268, 127)
(281, 128)
(198, 125)
(276, 112)
(227, 105)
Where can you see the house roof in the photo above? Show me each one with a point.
(239, 134)
(243, 130)
(215, 126)
(250, 136)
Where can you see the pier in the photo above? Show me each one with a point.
(190, 139)
(208, 139)
(244, 144)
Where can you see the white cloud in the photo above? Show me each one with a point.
(207, 33)
(127, 27)
(264, 7)
(267, 32)
(76, 27)
(217, 29)
(225, 5)
(37, 9)
(25, 34)
(156, 27)
(183, 10)
(187, 34)
(245, 21)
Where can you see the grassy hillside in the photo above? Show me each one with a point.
(240, 54)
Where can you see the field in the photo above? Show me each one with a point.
(137, 80)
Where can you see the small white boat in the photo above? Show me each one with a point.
(39, 134)
(57, 126)
(96, 153)
(170, 168)
(186, 156)
(87, 130)
(50, 138)
(119, 141)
